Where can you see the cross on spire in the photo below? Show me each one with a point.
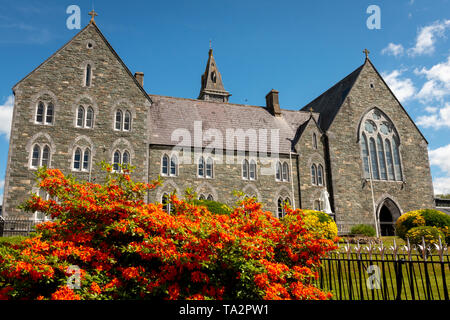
(93, 14)
(366, 52)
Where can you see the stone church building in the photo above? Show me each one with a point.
(356, 141)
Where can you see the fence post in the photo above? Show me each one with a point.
(399, 277)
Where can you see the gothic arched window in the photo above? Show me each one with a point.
(174, 165)
(118, 125)
(127, 121)
(320, 175)
(36, 156)
(209, 167)
(125, 159)
(80, 117)
(278, 171)
(116, 160)
(46, 157)
(313, 174)
(201, 167)
(77, 159)
(86, 159)
(89, 117)
(245, 169)
(49, 115)
(88, 75)
(165, 165)
(40, 112)
(314, 140)
(252, 171)
(210, 197)
(167, 205)
(379, 142)
(285, 171)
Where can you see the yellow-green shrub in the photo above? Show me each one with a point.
(320, 224)
(420, 218)
(431, 235)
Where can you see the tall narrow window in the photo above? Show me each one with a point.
(313, 174)
(165, 165)
(116, 161)
(88, 75)
(118, 124)
(127, 121)
(86, 159)
(278, 171)
(390, 163)
(89, 117)
(80, 116)
(167, 205)
(125, 160)
(202, 197)
(46, 157)
(320, 175)
(245, 169)
(173, 165)
(40, 112)
(77, 159)
(397, 165)
(280, 208)
(201, 167)
(381, 159)
(365, 155)
(35, 159)
(252, 175)
(209, 168)
(49, 116)
(210, 197)
(285, 171)
(314, 140)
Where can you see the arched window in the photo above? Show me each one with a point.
(89, 117)
(380, 147)
(80, 117)
(77, 159)
(49, 116)
(389, 160)
(201, 197)
(314, 140)
(285, 171)
(40, 112)
(278, 171)
(118, 125)
(288, 201)
(210, 197)
(313, 174)
(116, 160)
(201, 167)
(245, 169)
(209, 167)
(165, 165)
(174, 165)
(88, 75)
(167, 205)
(320, 175)
(379, 143)
(397, 164)
(127, 121)
(86, 160)
(36, 156)
(374, 159)
(365, 155)
(252, 175)
(280, 208)
(46, 157)
(125, 160)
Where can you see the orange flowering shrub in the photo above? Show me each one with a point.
(124, 248)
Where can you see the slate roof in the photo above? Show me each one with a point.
(329, 102)
(169, 113)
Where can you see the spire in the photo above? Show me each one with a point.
(212, 86)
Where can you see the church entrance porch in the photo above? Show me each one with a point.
(388, 213)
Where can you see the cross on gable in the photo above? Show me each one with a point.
(93, 14)
(366, 52)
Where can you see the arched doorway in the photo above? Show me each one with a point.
(388, 213)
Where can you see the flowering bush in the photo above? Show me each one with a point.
(423, 217)
(320, 224)
(120, 247)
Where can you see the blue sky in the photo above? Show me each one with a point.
(300, 48)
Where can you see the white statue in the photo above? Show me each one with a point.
(324, 195)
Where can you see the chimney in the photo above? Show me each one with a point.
(140, 78)
(272, 103)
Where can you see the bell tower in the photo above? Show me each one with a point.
(212, 87)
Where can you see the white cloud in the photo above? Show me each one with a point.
(402, 88)
(437, 85)
(440, 157)
(427, 36)
(6, 111)
(437, 118)
(393, 49)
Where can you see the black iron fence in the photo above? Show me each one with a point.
(376, 273)
(17, 227)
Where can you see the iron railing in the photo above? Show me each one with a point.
(379, 273)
